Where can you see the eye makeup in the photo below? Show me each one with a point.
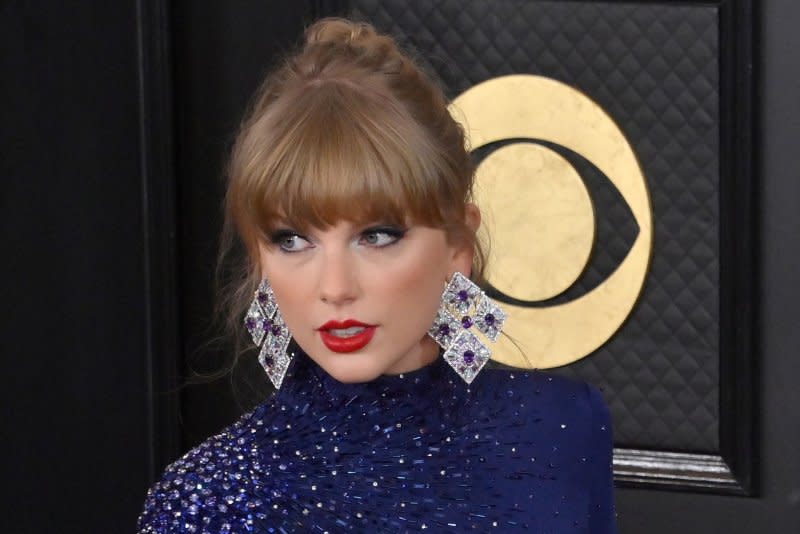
(289, 240)
(382, 235)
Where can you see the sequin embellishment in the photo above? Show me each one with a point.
(513, 452)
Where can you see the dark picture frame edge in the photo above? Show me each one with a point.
(680, 471)
(732, 471)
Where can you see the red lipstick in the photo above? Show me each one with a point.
(346, 343)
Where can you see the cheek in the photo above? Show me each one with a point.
(417, 278)
(413, 288)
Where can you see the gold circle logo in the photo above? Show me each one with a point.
(539, 213)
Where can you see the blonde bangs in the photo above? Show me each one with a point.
(336, 153)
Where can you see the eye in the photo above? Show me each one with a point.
(381, 237)
(289, 241)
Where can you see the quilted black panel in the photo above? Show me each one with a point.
(654, 68)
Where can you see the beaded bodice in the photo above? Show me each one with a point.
(421, 451)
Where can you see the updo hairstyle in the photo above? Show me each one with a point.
(346, 128)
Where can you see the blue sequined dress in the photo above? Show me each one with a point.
(513, 452)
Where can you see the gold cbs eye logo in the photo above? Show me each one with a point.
(540, 216)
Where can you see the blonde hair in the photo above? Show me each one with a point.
(347, 121)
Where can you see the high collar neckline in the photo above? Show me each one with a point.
(429, 382)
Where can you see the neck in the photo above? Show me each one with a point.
(427, 354)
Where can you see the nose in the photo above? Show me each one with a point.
(338, 282)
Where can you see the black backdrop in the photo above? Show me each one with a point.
(109, 202)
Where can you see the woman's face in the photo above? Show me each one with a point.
(359, 300)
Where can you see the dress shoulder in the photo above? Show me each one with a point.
(568, 426)
(208, 482)
(545, 394)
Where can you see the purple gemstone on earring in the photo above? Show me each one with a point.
(266, 324)
(444, 329)
(469, 357)
(250, 323)
(489, 319)
(466, 321)
(276, 330)
(262, 298)
(463, 295)
(269, 361)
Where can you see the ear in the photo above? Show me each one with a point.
(472, 216)
(464, 252)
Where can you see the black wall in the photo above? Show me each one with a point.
(114, 125)
(75, 443)
(222, 51)
(82, 436)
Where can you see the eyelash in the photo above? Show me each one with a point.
(394, 233)
(280, 236)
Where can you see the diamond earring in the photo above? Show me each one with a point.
(265, 325)
(463, 306)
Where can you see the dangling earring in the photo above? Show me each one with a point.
(266, 327)
(463, 306)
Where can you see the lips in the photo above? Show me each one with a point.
(346, 336)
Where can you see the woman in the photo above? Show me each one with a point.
(350, 187)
